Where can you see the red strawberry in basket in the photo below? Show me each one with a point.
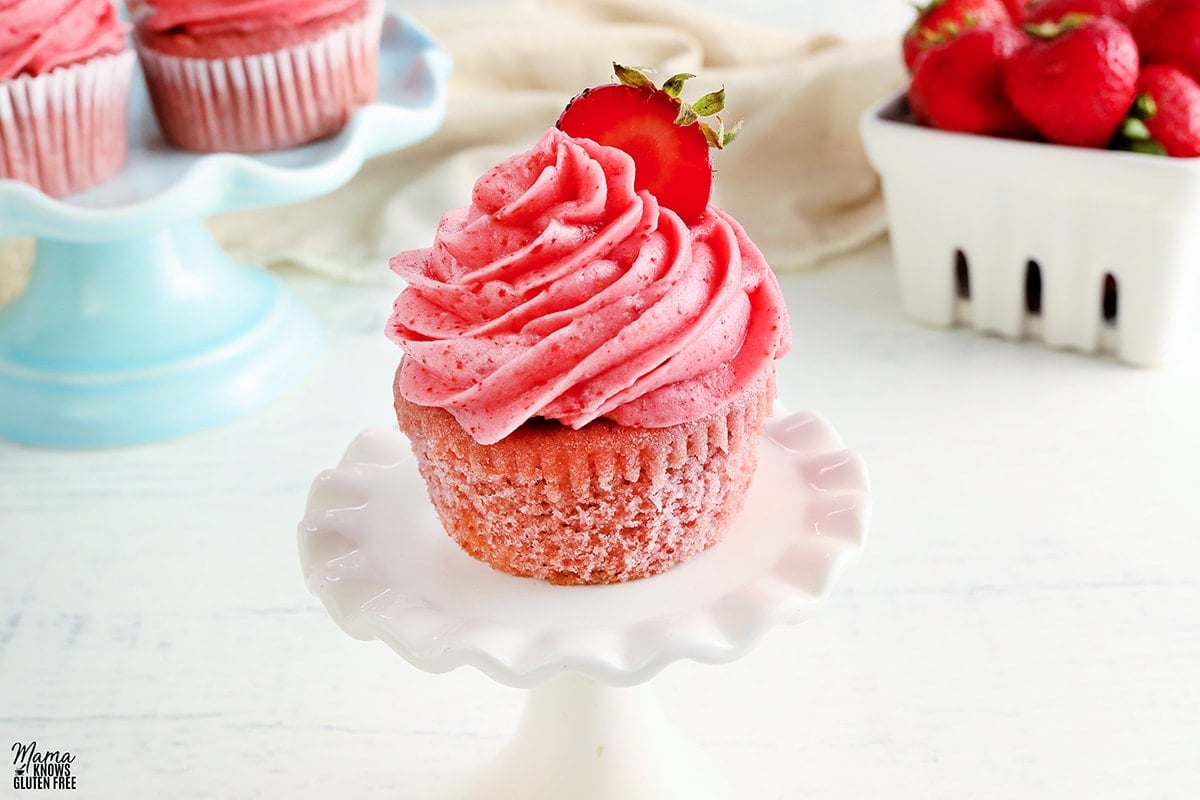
(1054, 10)
(1168, 32)
(942, 20)
(668, 143)
(1165, 118)
(959, 86)
(1074, 81)
(1017, 8)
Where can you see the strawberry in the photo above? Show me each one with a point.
(941, 20)
(1054, 10)
(1165, 118)
(1168, 32)
(1017, 8)
(959, 86)
(668, 143)
(1074, 80)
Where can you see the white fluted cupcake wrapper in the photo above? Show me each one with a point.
(267, 101)
(66, 130)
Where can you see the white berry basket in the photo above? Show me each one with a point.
(1090, 250)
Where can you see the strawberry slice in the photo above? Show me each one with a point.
(669, 145)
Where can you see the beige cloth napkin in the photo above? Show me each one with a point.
(797, 177)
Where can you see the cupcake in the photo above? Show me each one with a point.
(64, 89)
(257, 75)
(589, 347)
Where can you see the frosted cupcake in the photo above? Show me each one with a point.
(589, 347)
(64, 89)
(257, 75)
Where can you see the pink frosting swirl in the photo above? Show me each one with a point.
(208, 17)
(562, 293)
(37, 36)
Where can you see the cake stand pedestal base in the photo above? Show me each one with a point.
(582, 739)
(372, 549)
(145, 337)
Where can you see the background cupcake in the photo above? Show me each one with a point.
(257, 75)
(64, 88)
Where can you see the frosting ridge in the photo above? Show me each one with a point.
(208, 17)
(562, 293)
(36, 36)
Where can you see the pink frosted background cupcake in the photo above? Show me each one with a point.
(257, 75)
(585, 375)
(64, 89)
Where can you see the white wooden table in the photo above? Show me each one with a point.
(1024, 623)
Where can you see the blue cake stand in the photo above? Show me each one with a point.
(134, 326)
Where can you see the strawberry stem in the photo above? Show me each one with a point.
(708, 105)
(923, 10)
(1052, 30)
(1150, 148)
(1135, 129)
(720, 137)
(1143, 107)
(945, 32)
(711, 103)
(1133, 135)
(687, 115)
(632, 76)
(673, 86)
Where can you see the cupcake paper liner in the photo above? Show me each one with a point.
(267, 101)
(66, 130)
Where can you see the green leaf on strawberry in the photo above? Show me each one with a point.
(666, 138)
(674, 84)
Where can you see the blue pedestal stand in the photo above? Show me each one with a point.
(145, 338)
(135, 326)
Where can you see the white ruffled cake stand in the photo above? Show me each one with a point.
(373, 551)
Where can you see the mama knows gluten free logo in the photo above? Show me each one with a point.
(42, 769)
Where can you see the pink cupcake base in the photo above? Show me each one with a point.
(602, 504)
(267, 101)
(66, 130)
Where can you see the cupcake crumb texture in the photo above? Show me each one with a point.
(602, 504)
